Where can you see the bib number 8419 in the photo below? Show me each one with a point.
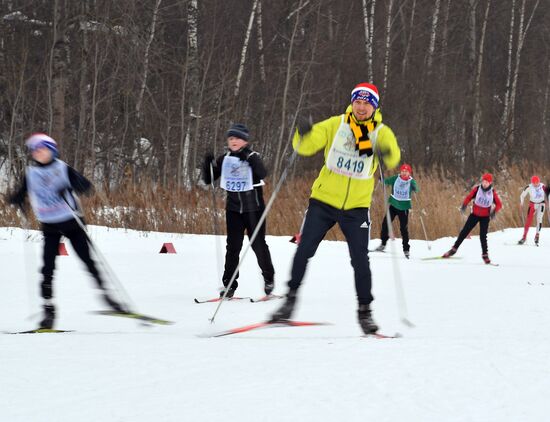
(351, 165)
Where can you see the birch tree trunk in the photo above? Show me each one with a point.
(193, 89)
(245, 48)
(261, 41)
(368, 24)
(83, 94)
(388, 45)
(504, 133)
(433, 34)
(405, 59)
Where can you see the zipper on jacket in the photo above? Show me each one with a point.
(347, 193)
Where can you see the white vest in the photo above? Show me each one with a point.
(43, 186)
(484, 199)
(402, 189)
(236, 175)
(536, 194)
(344, 159)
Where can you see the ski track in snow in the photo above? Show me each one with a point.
(480, 350)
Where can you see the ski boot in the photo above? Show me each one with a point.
(268, 287)
(521, 241)
(230, 292)
(537, 239)
(286, 310)
(49, 316)
(381, 248)
(364, 315)
(407, 254)
(485, 258)
(449, 253)
(112, 303)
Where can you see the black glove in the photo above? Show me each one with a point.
(304, 124)
(492, 215)
(244, 153)
(463, 208)
(209, 160)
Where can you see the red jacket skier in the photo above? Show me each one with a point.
(484, 197)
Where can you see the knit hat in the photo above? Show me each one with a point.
(535, 180)
(406, 167)
(367, 92)
(238, 130)
(488, 177)
(41, 140)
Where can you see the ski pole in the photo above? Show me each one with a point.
(257, 229)
(399, 291)
(121, 292)
(422, 222)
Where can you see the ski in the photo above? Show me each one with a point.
(382, 336)
(266, 324)
(266, 298)
(40, 331)
(429, 258)
(217, 299)
(137, 316)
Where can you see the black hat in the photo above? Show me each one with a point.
(238, 130)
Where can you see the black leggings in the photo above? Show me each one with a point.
(403, 216)
(470, 224)
(79, 240)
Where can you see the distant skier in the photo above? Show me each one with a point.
(537, 194)
(242, 172)
(49, 183)
(403, 185)
(484, 197)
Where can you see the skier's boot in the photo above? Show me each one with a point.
(49, 316)
(381, 248)
(112, 303)
(407, 254)
(287, 308)
(364, 315)
(521, 241)
(269, 286)
(537, 239)
(485, 258)
(449, 253)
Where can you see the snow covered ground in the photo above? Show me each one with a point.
(480, 350)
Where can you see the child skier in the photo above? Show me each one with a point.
(49, 183)
(242, 172)
(399, 205)
(484, 197)
(537, 193)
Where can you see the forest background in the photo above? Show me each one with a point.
(137, 91)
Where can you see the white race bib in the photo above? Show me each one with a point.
(236, 175)
(536, 194)
(484, 199)
(344, 159)
(402, 189)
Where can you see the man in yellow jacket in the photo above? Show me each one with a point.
(352, 143)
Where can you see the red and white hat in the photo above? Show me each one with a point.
(367, 92)
(406, 167)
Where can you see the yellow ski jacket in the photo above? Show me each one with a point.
(337, 190)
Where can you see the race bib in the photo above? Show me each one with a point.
(484, 199)
(344, 159)
(536, 194)
(236, 175)
(402, 189)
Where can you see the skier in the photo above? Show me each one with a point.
(352, 143)
(399, 205)
(537, 193)
(49, 183)
(242, 172)
(484, 197)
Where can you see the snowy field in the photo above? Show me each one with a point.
(480, 350)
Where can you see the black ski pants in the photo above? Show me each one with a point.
(79, 240)
(236, 224)
(469, 225)
(355, 224)
(403, 216)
